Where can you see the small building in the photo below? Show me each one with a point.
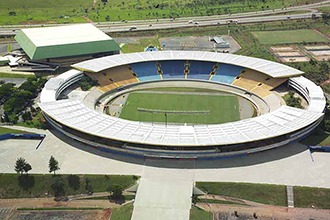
(4, 61)
(70, 41)
(150, 48)
(219, 42)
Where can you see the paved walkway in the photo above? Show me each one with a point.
(165, 193)
(290, 196)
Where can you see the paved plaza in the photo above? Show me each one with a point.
(289, 165)
(165, 186)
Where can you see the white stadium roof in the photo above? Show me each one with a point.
(315, 93)
(77, 115)
(50, 91)
(273, 69)
(70, 34)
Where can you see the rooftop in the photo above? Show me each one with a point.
(273, 69)
(60, 35)
(64, 41)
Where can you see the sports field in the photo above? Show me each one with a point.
(289, 37)
(222, 108)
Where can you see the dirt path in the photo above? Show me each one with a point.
(325, 82)
(50, 203)
(88, 19)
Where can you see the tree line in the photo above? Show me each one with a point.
(18, 101)
(58, 182)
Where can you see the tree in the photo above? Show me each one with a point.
(22, 166)
(88, 186)
(116, 191)
(74, 182)
(26, 116)
(194, 199)
(326, 124)
(58, 186)
(53, 165)
(291, 100)
(86, 83)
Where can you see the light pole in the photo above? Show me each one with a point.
(165, 119)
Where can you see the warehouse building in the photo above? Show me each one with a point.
(68, 43)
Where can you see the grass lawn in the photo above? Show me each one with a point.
(222, 108)
(63, 11)
(308, 197)
(219, 202)
(263, 193)
(199, 214)
(318, 137)
(41, 184)
(122, 213)
(141, 44)
(14, 75)
(36, 122)
(8, 130)
(42, 11)
(127, 198)
(289, 36)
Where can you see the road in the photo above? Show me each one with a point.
(157, 24)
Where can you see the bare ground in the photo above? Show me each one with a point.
(8, 209)
(253, 210)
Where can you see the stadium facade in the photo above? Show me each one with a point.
(273, 127)
(65, 42)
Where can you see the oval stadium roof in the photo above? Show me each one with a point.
(273, 69)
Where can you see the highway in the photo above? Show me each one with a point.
(204, 22)
(157, 24)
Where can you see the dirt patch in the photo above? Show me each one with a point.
(289, 54)
(50, 203)
(277, 49)
(295, 59)
(319, 52)
(74, 215)
(221, 211)
(8, 209)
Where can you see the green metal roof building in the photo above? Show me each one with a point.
(65, 41)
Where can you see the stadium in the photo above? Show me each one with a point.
(182, 104)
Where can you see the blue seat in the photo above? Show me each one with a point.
(200, 70)
(227, 73)
(172, 69)
(146, 71)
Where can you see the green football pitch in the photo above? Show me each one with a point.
(222, 108)
(291, 36)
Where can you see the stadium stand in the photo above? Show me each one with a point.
(226, 73)
(172, 69)
(269, 130)
(257, 82)
(146, 71)
(200, 70)
(113, 78)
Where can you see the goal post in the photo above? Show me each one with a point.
(174, 112)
